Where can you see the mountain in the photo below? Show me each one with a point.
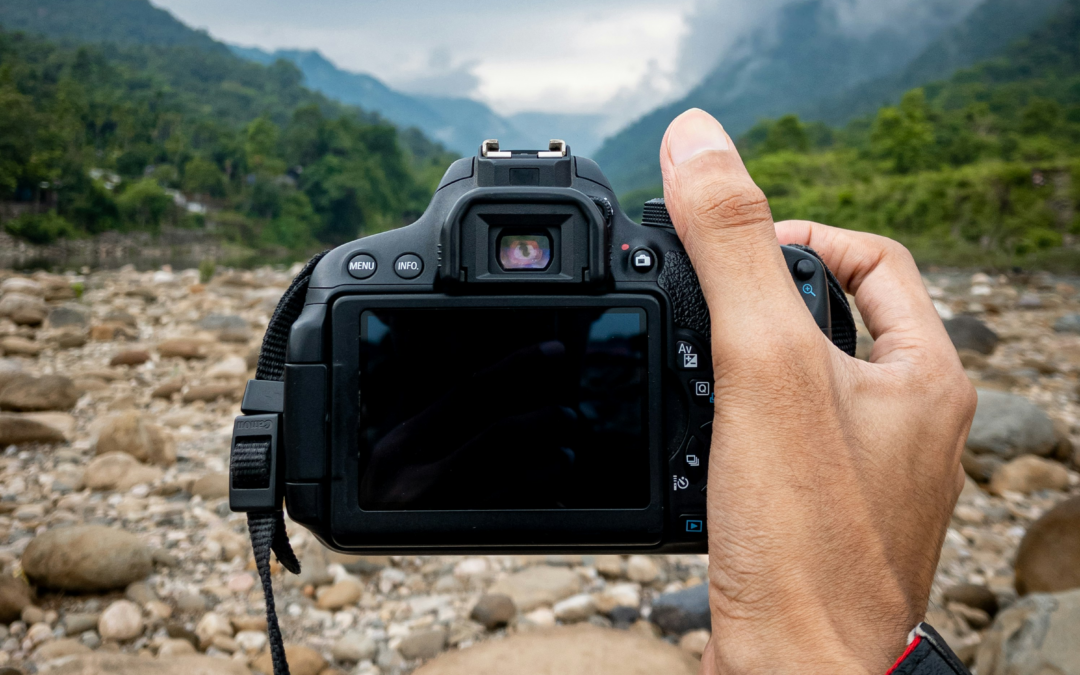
(122, 22)
(989, 28)
(459, 123)
(808, 53)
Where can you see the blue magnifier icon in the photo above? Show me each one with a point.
(808, 289)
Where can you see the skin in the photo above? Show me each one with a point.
(831, 480)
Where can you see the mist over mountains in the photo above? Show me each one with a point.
(805, 53)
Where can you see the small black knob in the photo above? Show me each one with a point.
(655, 214)
(805, 269)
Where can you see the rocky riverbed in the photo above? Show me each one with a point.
(120, 555)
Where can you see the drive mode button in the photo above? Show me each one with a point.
(409, 266)
(361, 266)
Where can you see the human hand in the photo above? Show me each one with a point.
(831, 480)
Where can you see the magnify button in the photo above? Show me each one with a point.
(808, 289)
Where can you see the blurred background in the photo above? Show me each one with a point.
(165, 167)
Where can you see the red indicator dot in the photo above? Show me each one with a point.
(626, 247)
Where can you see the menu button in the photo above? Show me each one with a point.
(361, 266)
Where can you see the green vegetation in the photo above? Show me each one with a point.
(137, 137)
(983, 168)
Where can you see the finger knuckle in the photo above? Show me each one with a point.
(732, 205)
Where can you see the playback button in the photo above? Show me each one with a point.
(693, 526)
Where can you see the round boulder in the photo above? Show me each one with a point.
(1035, 636)
(85, 558)
(967, 332)
(579, 650)
(1029, 474)
(1006, 425)
(1048, 559)
(26, 393)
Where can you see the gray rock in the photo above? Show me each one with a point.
(1007, 425)
(967, 332)
(86, 558)
(423, 645)
(494, 610)
(78, 623)
(140, 593)
(1048, 560)
(23, 309)
(624, 617)
(353, 647)
(682, 611)
(15, 596)
(16, 429)
(67, 316)
(1035, 636)
(228, 327)
(536, 586)
(1070, 323)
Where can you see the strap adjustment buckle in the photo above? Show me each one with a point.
(254, 483)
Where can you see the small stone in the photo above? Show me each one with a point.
(535, 586)
(122, 620)
(212, 392)
(973, 595)
(140, 593)
(175, 647)
(15, 596)
(575, 608)
(471, 567)
(642, 569)
(241, 583)
(130, 357)
(23, 309)
(184, 348)
(972, 360)
(251, 641)
(682, 611)
(1036, 636)
(694, 642)
(86, 558)
(168, 388)
(25, 393)
(22, 285)
(227, 327)
(191, 603)
(211, 486)
(619, 595)
(343, 593)
(1048, 559)
(1070, 323)
(967, 332)
(17, 429)
(78, 623)
(134, 434)
(1007, 425)
(1029, 474)
(232, 367)
(58, 649)
(212, 624)
(423, 644)
(68, 316)
(353, 647)
(13, 345)
(32, 614)
(610, 566)
(159, 610)
(302, 661)
(493, 611)
(624, 617)
(119, 471)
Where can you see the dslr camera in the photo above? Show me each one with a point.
(523, 369)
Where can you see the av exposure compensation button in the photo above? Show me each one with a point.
(409, 266)
(805, 269)
(361, 266)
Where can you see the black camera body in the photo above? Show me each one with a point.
(523, 369)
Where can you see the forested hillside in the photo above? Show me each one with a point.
(122, 137)
(981, 168)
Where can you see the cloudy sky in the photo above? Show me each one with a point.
(574, 56)
(557, 55)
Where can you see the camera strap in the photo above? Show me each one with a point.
(253, 462)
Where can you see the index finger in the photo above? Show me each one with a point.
(887, 286)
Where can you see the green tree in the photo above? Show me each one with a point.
(903, 136)
(144, 204)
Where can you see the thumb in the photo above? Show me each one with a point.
(724, 221)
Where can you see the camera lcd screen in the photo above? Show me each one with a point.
(515, 408)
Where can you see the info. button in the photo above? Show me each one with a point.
(361, 266)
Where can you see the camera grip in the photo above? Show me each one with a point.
(690, 311)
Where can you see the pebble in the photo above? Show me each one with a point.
(122, 620)
(353, 647)
(694, 642)
(344, 592)
(1048, 559)
(642, 569)
(493, 610)
(422, 644)
(535, 586)
(1029, 474)
(86, 558)
(575, 608)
